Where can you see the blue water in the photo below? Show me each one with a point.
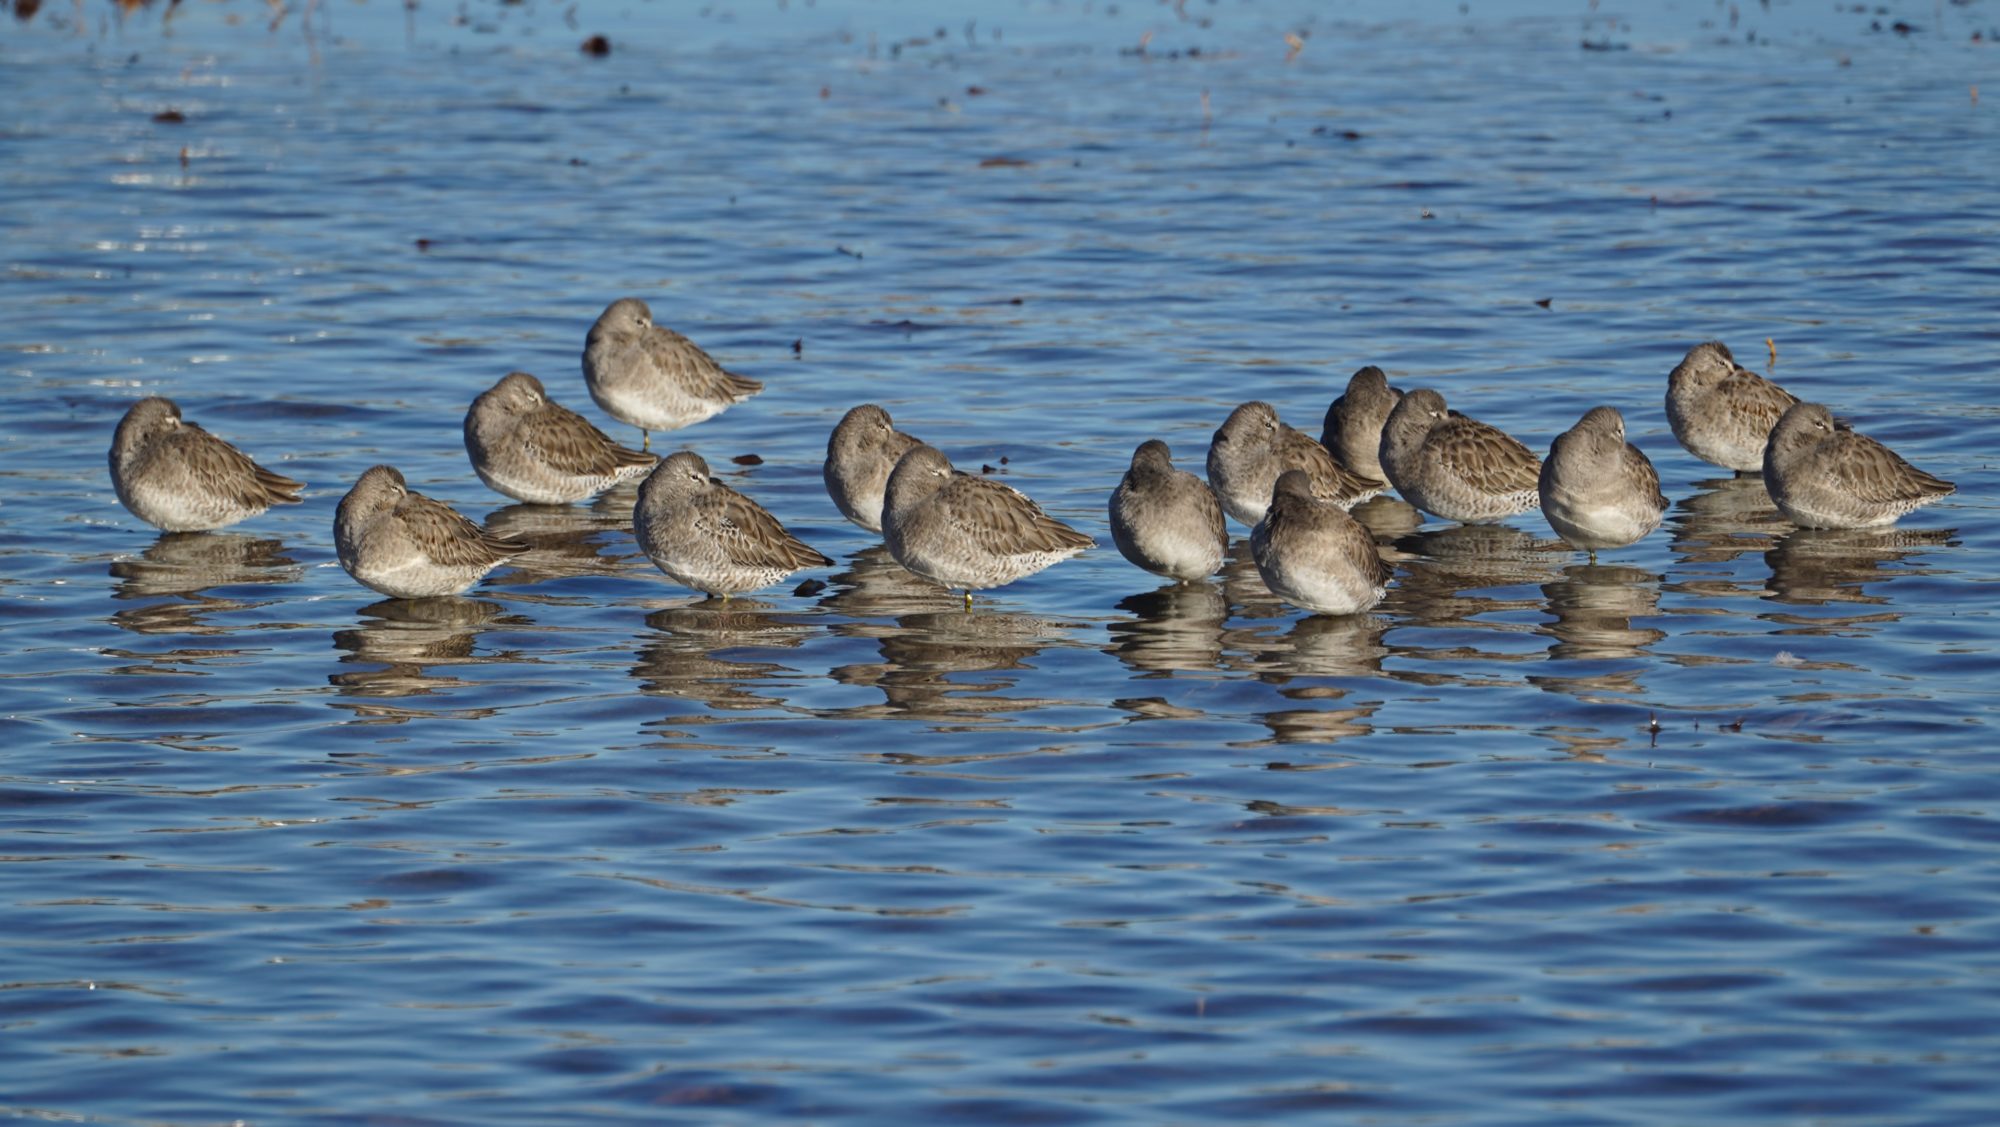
(578, 847)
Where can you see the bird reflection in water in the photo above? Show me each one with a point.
(184, 565)
(566, 541)
(408, 638)
(1816, 566)
(1730, 516)
(953, 666)
(1176, 629)
(876, 586)
(684, 658)
(1594, 606)
(1299, 660)
(1442, 567)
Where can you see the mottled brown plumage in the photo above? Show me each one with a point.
(529, 447)
(176, 476)
(968, 532)
(1823, 474)
(1455, 466)
(406, 545)
(1253, 446)
(707, 536)
(1314, 554)
(1598, 490)
(653, 377)
(1353, 429)
(1721, 411)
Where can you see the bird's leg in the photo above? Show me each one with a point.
(1593, 556)
(968, 599)
(645, 439)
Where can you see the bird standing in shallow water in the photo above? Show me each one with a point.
(1253, 446)
(1353, 430)
(1598, 490)
(1167, 520)
(1721, 411)
(707, 536)
(1314, 554)
(529, 447)
(178, 477)
(654, 378)
(967, 532)
(1824, 474)
(1455, 466)
(395, 540)
(860, 454)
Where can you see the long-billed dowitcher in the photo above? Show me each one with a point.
(1167, 520)
(178, 477)
(1824, 474)
(652, 377)
(707, 536)
(397, 541)
(531, 448)
(967, 532)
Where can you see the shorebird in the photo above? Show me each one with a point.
(1253, 446)
(178, 477)
(1167, 520)
(1314, 554)
(654, 378)
(395, 540)
(1353, 430)
(529, 447)
(1598, 490)
(1455, 466)
(860, 454)
(967, 532)
(707, 536)
(1824, 474)
(1721, 411)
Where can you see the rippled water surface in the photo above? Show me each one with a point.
(1703, 832)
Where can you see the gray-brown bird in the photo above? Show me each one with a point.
(395, 540)
(1253, 446)
(178, 477)
(1167, 520)
(531, 448)
(1314, 554)
(1455, 466)
(1824, 474)
(707, 536)
(860, 454)
(652, 377)
(1353, 430)
(1598, 490)
(965, 532)
(1720, 410)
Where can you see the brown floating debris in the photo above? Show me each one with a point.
(424, 245)
(747, 460)
(848, 252)
(597, 46)
(1772, 344)
(987, 469)
(1545, 302)
(1003, 459)
(974, 91)
(1003, 162)
(1734, 727)
(170, 117)
(799, 347)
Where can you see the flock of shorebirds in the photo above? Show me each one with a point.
(971, 532)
